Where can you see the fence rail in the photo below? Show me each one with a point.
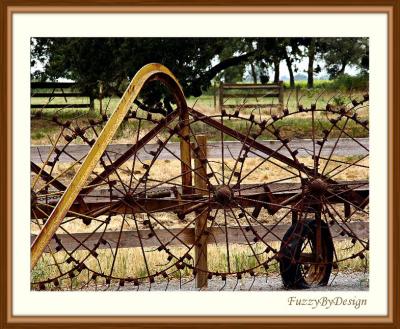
(263, 93)
(53, 90)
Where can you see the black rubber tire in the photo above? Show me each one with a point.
(289, 255)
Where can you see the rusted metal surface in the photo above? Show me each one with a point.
(193, 216)
(158, 201)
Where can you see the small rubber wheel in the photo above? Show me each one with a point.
(300, 267)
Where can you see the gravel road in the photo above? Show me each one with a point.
(350, 281)
(344, 147)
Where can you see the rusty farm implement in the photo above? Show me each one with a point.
(236, 194)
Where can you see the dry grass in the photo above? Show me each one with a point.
(130, 263)
(266, 172)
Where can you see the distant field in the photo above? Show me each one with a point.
(43, 128)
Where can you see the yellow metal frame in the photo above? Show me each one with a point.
(53, 222)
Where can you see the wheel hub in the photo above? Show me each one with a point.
(317, 186)
(223, 195)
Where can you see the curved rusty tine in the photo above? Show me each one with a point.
(96, 152)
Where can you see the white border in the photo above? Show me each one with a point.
(27, 302)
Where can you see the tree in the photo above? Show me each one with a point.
(115, 60)
(287, 49)
(195, 61)
(340, 53)
(281, 49)
(314, 49)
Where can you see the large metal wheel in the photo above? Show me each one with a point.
(300, 263)
(231, 195)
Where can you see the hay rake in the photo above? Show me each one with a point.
(195, 198)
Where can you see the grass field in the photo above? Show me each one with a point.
(43, 128)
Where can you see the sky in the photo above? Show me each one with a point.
(302, 66)
(284, 72)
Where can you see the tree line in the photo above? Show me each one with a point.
(195, 61)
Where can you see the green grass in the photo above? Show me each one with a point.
(302, 84)
(203, 100)
(301, 128)
(344, 82)
(289, 128)
(42, 126)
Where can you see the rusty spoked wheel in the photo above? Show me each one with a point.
(234, 194)
(301, 266)
(333, 201)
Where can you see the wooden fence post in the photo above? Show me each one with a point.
(101, 96)
(91, 103)
(186, 156)
(215, 95)
(281, 94)
(200, 185)
(221, 96)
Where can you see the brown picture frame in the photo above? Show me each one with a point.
(389, 7)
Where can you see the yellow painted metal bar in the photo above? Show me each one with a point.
(146, 72)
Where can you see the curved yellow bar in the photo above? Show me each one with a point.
(53, 222)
